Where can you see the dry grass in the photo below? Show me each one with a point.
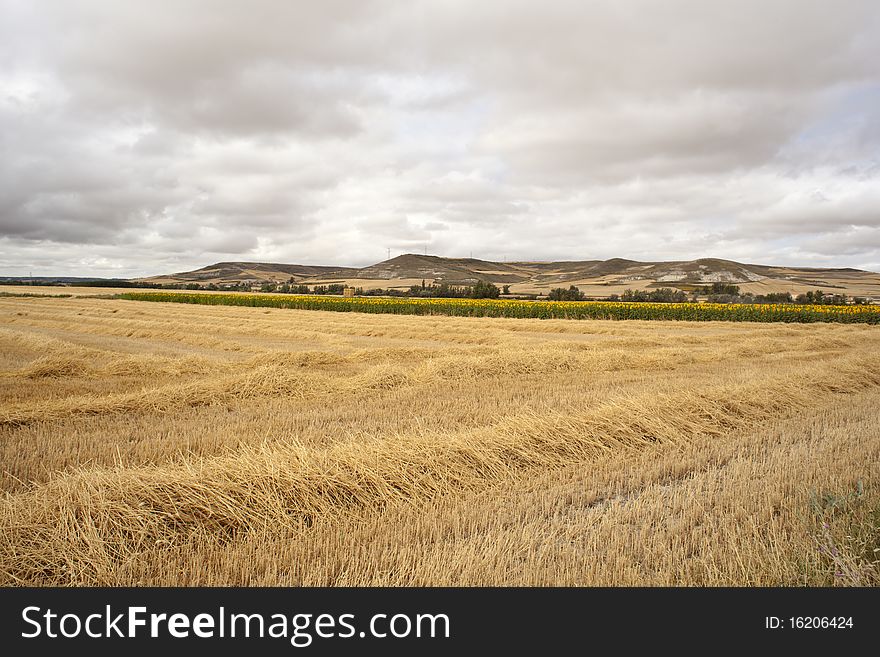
(154, 444)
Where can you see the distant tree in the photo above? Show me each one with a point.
(561, 294)
(776, 297)
(661, 295)
(448, 291)
(720, 288)
(819, 297)
(484, 290)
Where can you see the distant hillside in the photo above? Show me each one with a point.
(48, 280)
(448, 270)
(597, 278)
(233, 272)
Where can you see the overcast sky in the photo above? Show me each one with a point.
(149, 137)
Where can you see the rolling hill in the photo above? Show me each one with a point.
(598, 278)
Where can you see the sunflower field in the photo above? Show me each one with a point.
(532, 309)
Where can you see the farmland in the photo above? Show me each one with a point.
(867, 314)
(269, 444)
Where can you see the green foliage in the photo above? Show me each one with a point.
(561, 294)
(483, 290)
(661, 295)
(334, 288)
(719, 288)
(773, 297)
(480, 290)
(819, 298)
(723, 293)
(379, 292)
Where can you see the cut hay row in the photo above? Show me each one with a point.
(267, 380)
(80, 526)
(57, 366)
(534, 309)
(296, 375)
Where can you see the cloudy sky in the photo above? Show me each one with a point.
(148, 137)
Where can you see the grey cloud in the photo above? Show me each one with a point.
(135, 139)
(229, 242)
(696, 132)
(862, 241)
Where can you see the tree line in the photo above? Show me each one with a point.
(479, 290)
(716, 293)
(729, 293)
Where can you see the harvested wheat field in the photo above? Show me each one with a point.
(166, 444)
